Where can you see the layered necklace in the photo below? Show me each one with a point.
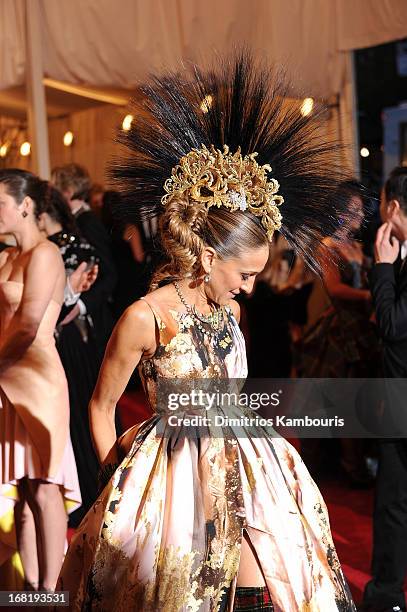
(213, 321)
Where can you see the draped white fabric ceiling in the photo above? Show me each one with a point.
(117, 43)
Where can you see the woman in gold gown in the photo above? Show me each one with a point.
(226, 518)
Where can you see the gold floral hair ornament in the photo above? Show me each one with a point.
(220, 178)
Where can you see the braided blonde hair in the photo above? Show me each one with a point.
(187, 228)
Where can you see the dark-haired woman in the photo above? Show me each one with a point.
(76, 344)
(219, 516)
(37, 467)
(343, 342)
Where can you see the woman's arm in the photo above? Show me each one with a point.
(337, 289)
(133, 336)
(235, 308)
(42, 275)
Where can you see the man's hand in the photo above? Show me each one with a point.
(91, 276)
(386, 246)
(82, 279)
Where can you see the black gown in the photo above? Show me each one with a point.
(81, 357)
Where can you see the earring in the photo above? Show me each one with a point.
(24, 213)
(207, 278)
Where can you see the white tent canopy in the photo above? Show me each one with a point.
(105, 43)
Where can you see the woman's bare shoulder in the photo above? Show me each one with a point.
(136, 329)
(46, 253)
(163, 297)
(235, 308)
(139, 312)
(162, 300)
(144, 311)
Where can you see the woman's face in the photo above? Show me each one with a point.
(230, 277)
(10, 213)
(356, 210)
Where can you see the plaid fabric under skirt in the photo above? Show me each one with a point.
(250, 599)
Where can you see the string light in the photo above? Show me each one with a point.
(307, 106)
(127, 121)
(4, 149)
(25, 149)
(364, 152)
(68, 138)
(206, 103)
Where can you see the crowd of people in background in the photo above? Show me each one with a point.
(76, 285)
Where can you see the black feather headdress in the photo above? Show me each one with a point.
(239, 104)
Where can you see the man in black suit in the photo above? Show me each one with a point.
(384, 593)
(74, 182)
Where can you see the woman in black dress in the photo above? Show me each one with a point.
(76, 345)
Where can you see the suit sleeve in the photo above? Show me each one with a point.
(390, 302)
(65, 310)
(94, 232)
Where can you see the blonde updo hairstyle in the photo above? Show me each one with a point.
(187, 227)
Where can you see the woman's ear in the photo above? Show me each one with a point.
(27, 206)
(207, 259)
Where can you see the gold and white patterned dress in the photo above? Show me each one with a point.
(166, 532)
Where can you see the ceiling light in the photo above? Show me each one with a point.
(25, 149)
(68, 138)
(307, 106)
(4, 149)
(127, 121)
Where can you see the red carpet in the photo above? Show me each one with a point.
(350, 510)
(133, 408)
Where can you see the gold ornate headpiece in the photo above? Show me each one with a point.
(220, 178)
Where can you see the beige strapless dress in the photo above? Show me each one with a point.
(34, 419)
